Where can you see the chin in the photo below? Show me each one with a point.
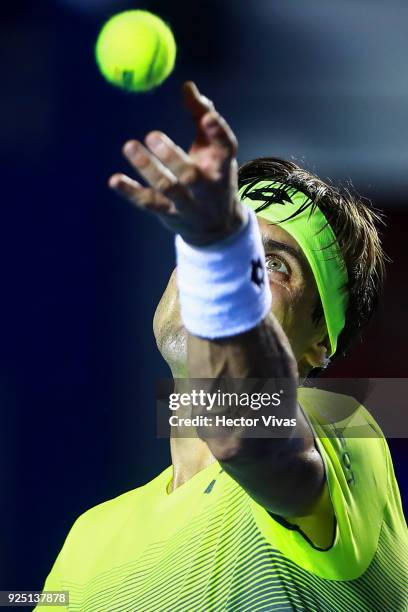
(173, 347)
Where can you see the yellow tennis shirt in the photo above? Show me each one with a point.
(208, 546)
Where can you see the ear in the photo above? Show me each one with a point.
(317, 354)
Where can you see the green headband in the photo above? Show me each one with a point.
(276, 202)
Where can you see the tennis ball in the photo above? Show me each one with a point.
(135, 50)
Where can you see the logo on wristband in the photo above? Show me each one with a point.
(257, 273)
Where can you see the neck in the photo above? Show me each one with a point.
(189, 456)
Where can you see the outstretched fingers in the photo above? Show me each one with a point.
(165, 192)
(145, 198)
(173, 157)
(148, 166)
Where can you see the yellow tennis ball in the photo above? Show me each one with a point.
(135, 50)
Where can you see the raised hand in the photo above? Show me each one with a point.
(194, 194)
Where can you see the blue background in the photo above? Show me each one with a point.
(82, 272)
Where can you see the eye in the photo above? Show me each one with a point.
(275, 264)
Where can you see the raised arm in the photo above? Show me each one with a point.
(195, 195)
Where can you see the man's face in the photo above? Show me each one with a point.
(294, 296)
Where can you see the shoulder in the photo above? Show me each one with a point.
(357, 469)
(337, 415)
(356, 459)
(351, 442)
(105, 523)
(112, 512)
(105, 514)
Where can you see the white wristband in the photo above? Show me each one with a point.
(224, 288)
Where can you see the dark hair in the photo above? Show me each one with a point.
(355, 224)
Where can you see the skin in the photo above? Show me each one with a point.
(194, 194)
(294, 297)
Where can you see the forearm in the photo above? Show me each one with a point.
(284, 474)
